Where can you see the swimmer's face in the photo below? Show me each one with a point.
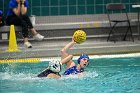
(84, 62)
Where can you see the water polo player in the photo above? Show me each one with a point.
(54, 67)
(52, 71)
(72, 68)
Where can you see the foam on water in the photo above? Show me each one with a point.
(32, 77)
(81, 75)
(17, 76)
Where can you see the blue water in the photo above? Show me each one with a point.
(105, 75)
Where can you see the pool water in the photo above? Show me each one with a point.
(104, 75)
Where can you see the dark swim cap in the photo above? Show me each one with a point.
(82, 56)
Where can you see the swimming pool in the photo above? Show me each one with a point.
(103, 75)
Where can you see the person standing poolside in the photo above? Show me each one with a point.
(53, 69)
(17, 15)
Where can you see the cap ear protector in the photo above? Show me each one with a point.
(82, 56)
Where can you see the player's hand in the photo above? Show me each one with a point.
(73, 40)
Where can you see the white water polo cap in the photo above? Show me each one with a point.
(55, 66)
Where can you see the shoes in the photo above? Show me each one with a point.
(38, 37)
(28, 44)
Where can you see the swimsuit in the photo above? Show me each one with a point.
(72, 70)
(46, 73)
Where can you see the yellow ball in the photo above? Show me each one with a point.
(79, 36)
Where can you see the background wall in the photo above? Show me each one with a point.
(69, 7)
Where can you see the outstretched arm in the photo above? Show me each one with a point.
(64, 52)
(66, 58)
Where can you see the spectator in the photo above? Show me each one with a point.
(17, 15)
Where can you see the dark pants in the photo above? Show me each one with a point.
(23, 21)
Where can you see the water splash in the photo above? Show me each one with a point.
(81, 75)
(19, 76)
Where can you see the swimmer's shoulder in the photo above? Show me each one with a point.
(52, 75)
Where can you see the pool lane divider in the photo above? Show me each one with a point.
(37, 60)
(28, 60)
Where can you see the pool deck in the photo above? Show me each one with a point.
(50, 47)
(58, 32)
